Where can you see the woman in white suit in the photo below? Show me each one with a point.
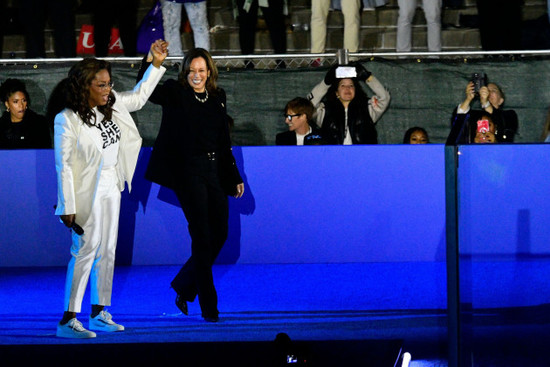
(96, 149)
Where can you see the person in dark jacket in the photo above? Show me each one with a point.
(192, 156)
(491, 99)
(344, 112)
(298, 114)
(20, 127)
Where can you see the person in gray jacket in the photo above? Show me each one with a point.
(344, 112)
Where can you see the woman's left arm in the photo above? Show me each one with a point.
(380, 101)
(230, 169)
(136, 98)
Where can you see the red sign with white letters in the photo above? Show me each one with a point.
(86, 45)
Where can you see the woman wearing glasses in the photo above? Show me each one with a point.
(345, 114)
(192, 156)
(96, 149)
(298, 116)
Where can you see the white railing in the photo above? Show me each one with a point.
(271, 61)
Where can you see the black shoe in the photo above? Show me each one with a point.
(182, 305)
(211, 318)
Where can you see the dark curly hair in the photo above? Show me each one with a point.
(11, 86)
(79, 81)
(409, 132)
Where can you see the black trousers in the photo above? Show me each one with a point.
(109, 13)
(206, 209)
(500, 24)
(275, 20)
(33, 15)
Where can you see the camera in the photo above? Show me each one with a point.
(479, 80)
(346, 72)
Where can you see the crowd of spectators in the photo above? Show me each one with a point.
(341, 111)
(337, 111)
(499, 23)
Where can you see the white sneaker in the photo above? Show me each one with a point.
(103, 322)
(74, 329)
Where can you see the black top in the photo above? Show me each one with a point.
(190, 128)
(31, 133)
(289, 138)
(207, 124)
(361, 127)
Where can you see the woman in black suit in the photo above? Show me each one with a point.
(192, 155)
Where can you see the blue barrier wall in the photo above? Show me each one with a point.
(327, 204)
(320, 204)
(504, 200)
(504, 230)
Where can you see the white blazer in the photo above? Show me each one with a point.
(79, 159)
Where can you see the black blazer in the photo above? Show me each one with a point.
(176, 141)
(289, 138)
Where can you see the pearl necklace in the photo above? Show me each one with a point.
(202, 100)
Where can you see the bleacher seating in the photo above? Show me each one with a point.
(378, 29)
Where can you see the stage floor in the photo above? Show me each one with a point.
(336, 314)
(314, 304)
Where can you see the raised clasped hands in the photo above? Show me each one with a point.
(158, 52)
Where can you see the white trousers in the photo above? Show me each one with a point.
(352, 21)
(171, 22)
(93, 253)
(432, 12)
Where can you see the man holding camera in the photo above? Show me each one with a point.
(491, 99)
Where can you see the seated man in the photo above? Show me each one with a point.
(298, 114)
(491, 99)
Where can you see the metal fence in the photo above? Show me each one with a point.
(295, 61)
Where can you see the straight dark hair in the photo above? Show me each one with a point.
(211, 83)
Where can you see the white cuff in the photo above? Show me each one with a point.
(461, 111)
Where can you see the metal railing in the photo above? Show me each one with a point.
(294, 61)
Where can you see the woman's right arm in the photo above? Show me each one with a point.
(319, 91)
(470, 94)
(65, 150)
